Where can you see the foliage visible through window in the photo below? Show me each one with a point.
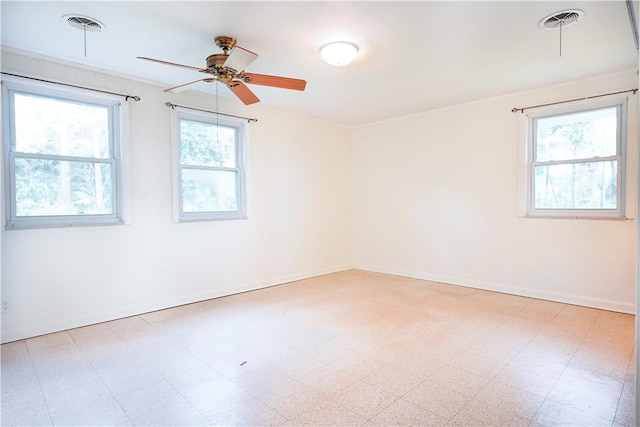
(577, 162)
(211, 168)
(62, 164)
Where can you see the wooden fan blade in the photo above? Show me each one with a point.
(243, 92)
(273, 81)
(239, 59)
(190, 85)
(189, 67)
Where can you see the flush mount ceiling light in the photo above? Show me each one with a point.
(339, 53)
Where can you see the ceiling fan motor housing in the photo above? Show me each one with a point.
(216, 61)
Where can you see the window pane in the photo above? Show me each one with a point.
(53, 126)
(205, 144)
(51, 187)
(209, 190)
(577, 136)
(590, 185)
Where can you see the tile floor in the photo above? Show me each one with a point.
(351, 348)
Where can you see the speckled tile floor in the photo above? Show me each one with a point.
(350, 348)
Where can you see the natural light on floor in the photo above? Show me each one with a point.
(350, 348)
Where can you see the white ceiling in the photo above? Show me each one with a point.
(414, 56)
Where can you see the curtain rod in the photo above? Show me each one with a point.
(126, 97)
(521, 109)
(248, 119)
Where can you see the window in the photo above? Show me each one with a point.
(576, 159)
(62, 156)
(209, 166)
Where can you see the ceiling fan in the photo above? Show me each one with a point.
(228, 68)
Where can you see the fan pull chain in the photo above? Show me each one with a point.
(84, 31)
(217, 116)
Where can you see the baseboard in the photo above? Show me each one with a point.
(137, 309)
(604, 304)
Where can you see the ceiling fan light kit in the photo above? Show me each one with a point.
(228, 68)
(339, 53)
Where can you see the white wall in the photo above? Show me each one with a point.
(432, 196)
(436, 197)
(300, 189)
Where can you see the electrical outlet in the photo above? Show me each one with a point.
(5, 306)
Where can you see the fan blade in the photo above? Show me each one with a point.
(273, 81)
(189, 67)
(190, 85)
(239, 59)
(243, 92)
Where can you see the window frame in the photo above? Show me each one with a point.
(118, 158)
(241, 130)
(622, 157)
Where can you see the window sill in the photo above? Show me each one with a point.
(585, 217)
(28, 225)
(212, 218)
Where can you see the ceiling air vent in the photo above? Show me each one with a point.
(561, 19)
(84, 22)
